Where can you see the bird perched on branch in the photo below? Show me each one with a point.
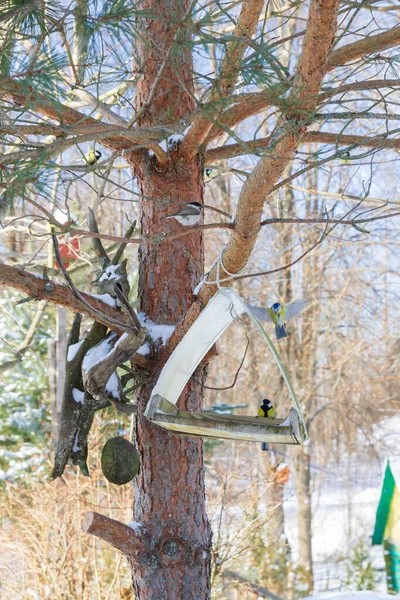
(345, 158)
(189, 215)
(279, 314)
(92, 157)
(266, 410)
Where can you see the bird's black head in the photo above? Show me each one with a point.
(97, 154)
(267, 403)
(196, 205)
(276, 307)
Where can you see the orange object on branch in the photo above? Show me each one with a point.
(282, 476)
(69, 251)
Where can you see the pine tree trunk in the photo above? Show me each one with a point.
(169, 492)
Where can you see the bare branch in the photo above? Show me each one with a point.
(129, 541)
(381, 141)
(73, 122)
(259, 590)
(244, 30)
(370, 44)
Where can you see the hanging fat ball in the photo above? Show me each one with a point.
(120, 461)
(266, 410)
(92, 157)
(189, 215)
(279, 314)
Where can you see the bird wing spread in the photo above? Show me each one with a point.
(262, 314)
(294, 309)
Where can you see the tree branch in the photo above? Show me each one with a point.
(359, 86)
(73, 122)
(370, 44)
(248, 105)
(319, 137)
(129, 541)
(244, 30)
(259, 590)
(44, 289)
(284, 140)
(321, 29)
(135, 542)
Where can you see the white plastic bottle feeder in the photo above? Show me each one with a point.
(161, 409)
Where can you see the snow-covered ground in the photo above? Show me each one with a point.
(345, 499)
(351, 596)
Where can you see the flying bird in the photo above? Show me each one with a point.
(279, 314)
(92, 157)
(266, 410)
(189, 215)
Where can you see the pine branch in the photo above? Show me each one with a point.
(81, 38)
(244, 30)
(322, 26)
(42, 289)
(380, 142)
(370, 44)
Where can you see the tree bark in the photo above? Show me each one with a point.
(169, 491)
(303, 489)
(61, 350)
(52, 374)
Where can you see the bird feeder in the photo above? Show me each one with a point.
(224, 308)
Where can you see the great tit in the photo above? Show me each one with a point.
(279, 314)
(266, 410)
(189, 215)
(345, 158)
(92, 157)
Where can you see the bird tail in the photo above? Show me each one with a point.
(280, 331)
(264, 446)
